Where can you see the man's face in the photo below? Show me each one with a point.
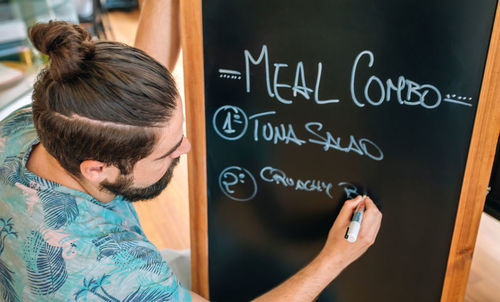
(151, 174)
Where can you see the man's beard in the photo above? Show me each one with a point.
(123, 185)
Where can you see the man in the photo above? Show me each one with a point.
(105, 129)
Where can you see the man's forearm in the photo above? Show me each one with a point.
(158, 32)
(308, 283)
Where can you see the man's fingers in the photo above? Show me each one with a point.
(370, 224)
(371, 221)
(372, 214)
(370, 205)
(348, 208)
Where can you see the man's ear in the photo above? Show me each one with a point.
(95, 171)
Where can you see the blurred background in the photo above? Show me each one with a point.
(19, 62)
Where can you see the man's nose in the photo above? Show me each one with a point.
(183, 148)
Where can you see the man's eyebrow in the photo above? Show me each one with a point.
(171, 150)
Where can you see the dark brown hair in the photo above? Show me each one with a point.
(97, 100)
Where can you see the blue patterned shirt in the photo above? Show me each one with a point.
(59, 244)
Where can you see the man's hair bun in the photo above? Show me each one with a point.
(67, 45)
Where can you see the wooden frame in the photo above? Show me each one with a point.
(475, 182)
(192, 45)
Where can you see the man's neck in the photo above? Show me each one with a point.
(46, 166)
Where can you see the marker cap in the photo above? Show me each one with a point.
(352, 231)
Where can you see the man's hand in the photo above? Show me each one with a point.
(343, 251)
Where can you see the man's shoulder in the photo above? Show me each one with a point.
(17, 133)
(20, 118)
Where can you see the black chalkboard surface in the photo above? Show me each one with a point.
(309, 103)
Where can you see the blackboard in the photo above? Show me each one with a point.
(310, 103)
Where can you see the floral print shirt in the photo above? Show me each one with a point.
(59, 244)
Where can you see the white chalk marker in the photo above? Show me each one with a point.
(352, 231)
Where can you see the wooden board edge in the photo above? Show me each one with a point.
(192, 47)
(477, 175)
